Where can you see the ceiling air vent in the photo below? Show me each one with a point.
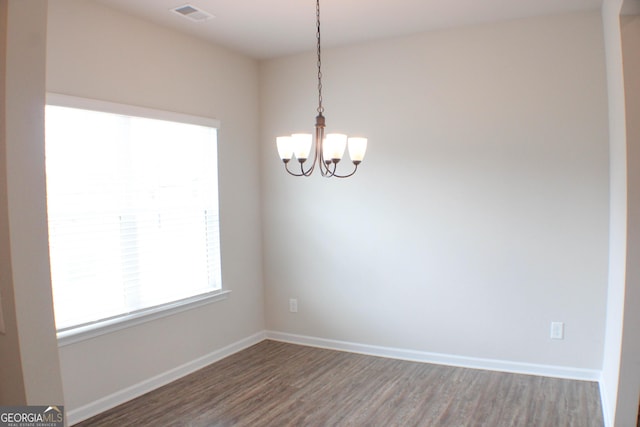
(192, 13)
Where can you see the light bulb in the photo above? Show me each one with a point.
(285, 147)
(357, 149)
(302, 145)
(333, 147)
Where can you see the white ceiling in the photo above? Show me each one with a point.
(271, 28)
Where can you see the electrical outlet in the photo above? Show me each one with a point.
(557, 330)
(293, 305)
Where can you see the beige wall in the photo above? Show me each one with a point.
(32, 373)
(11, 383)
(480, 214)
(95, 52)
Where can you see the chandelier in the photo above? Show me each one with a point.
(329, 148)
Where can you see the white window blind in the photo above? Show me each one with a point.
(133, 213)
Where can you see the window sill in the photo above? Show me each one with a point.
(92, 330)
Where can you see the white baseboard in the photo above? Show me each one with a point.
(94, 408)
(441, 359)
(604, 401)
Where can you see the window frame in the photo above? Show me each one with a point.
(86, 331)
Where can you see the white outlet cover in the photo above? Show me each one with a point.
(557, 330)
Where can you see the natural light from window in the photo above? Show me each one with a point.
(133, 213)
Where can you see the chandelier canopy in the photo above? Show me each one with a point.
(329, 148)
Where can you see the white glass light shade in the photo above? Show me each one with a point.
(302, 145)
(333, 146)
(285, 147)
(357, 149)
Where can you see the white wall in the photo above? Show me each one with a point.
(618, 208)
(99, 53)
(621, 362)
(28, 351)
(629, 389)
(480, 214)
(621, 367)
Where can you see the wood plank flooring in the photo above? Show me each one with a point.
(278, 384)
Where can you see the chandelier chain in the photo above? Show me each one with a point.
(320, 107)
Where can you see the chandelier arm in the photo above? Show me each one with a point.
(286, 167)
(324, 170)
(309, 171)
(331, 170)
(355, 169)
(328, 169)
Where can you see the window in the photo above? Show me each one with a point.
(132, 203)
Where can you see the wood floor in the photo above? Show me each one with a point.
(277, 384)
